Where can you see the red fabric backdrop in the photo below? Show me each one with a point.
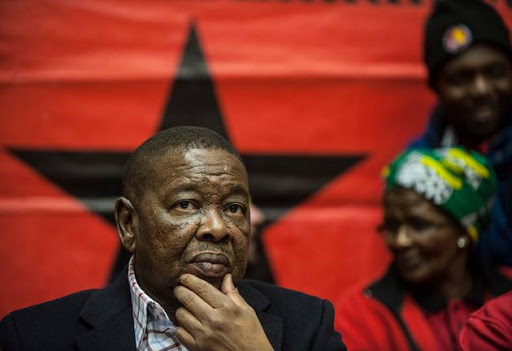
(315, 78)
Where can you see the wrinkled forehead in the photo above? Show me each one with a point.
(199, 167)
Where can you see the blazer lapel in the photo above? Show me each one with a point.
(116, 334)
(108, 314)
(272, 324)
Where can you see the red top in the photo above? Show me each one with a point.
(387, 315)
(489, 328)
(447, 323)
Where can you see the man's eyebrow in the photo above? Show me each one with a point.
(182, 188)
(186, 187)
(238, 190)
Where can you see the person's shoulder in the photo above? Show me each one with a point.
(490, 327)
(49, 325)
(358, 298)
(292, 305)
(55, 312)
(308, 320)
(69, 303)
(497, 308)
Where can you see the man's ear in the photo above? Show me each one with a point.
(127, 221)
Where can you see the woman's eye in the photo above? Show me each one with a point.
(420, 225)
(389, 226)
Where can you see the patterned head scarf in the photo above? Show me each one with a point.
(460, 182)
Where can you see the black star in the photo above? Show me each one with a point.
(278, 182)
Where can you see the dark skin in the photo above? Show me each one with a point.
(423, 242)
(189, 233)
(475, 91)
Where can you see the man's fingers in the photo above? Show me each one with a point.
(233, 325)
(192, 302)
(231, 291)
(186, 339)
(204, 290)
(188, 321)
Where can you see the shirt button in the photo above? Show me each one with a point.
(367, 293)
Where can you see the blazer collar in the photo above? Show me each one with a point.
(108, 313)
(272, 325)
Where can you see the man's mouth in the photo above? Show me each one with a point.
(484, 112)
(211, 264)
(482, 109)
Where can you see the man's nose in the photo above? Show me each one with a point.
(212, 227)
(481, 85)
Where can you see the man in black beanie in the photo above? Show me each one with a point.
(468, 56)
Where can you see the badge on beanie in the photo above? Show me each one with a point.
(457, 38)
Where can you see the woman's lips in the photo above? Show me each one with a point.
(210, 264)
(408, 261)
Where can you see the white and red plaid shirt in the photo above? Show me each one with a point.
(154, 331)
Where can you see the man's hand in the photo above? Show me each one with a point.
(216, 320)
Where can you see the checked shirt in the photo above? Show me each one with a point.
(154, 331)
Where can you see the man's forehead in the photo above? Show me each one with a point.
(211, 183)
(186, 167)
(188, 158)
(476, 56)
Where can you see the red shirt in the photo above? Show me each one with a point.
(447, 323)
(490, 328)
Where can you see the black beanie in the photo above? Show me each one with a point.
(455, 25)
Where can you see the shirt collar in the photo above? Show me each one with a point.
(145, 309)
(432, 302)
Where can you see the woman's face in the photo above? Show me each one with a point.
(420, 236)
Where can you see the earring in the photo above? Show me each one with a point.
(461, 242)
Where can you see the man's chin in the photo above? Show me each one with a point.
(216, 282)
(484, 126)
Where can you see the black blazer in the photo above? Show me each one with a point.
(96, 320)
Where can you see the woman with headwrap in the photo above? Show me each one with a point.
(436, 203)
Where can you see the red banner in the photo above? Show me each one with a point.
(317, 96)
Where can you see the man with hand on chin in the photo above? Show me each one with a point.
(185, 217)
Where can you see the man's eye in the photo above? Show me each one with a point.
(235, 208)
(460, 77)
(184, 205)
(496, 71)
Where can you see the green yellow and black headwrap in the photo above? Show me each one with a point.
(460, 182)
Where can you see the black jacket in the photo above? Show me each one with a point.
(96, 320)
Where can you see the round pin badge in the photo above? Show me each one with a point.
(457, 38)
